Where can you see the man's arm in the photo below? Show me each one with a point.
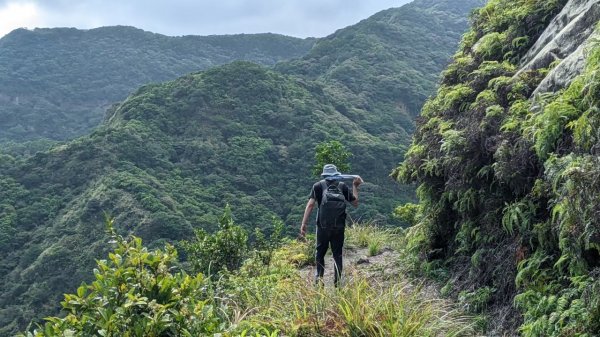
(309, 207)
(357, 181)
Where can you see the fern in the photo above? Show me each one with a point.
(518, 215)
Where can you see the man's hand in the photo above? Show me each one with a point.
(303, 231)
(309, 207)
(357, 181)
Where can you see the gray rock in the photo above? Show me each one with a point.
(363, 260)
(566, 70)
(564, 39)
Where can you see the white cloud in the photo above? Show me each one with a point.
(15, 15)
(299, 18)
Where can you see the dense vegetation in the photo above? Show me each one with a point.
(166, 162)
(508, 184)
(57, 83)
(169, 158)
(385, 67)
(141, 292)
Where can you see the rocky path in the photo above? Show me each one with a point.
(413, 300)
(382, 267)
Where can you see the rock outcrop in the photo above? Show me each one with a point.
(565, 40)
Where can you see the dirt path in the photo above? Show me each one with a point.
(384, 272)
(381, 267)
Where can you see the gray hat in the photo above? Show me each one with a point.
(330, 170)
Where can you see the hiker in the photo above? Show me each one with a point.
(330, 195)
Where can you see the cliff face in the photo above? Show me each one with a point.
(506, 156)
(564, 43)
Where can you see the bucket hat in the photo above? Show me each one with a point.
(330, 170)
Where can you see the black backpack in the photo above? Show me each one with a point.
(332, 210)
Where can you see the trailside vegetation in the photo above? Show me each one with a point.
(141, 292)
(508, 185)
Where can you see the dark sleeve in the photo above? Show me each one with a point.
(348, 193)
(315, 191)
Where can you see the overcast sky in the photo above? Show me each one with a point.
(299, 18)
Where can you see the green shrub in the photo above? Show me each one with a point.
(548, 127)
(137, 293)
(491, 46)
(265, 246)
(408, 213)
(331, 152)
(224, 250)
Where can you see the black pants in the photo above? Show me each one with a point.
(335, 238)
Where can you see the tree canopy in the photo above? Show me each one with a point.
(56, 83)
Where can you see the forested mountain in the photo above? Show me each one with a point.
(169, 158)
(386, 66)
(56, 83)
(507, 158)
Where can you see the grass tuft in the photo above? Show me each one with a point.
(361, 307)
(370, 235)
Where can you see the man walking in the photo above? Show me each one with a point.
(330, 195)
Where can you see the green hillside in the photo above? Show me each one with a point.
(169, 158)
(508, 181)
(56, 83)
(386, 66)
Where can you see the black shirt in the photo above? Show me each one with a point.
(317, 192)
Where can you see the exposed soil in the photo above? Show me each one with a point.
(382, 267)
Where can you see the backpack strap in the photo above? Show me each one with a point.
(323, 190)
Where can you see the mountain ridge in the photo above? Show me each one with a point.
(55, 83)
(390, 83)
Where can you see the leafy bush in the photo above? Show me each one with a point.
(224, 250)
(265, 246)
(491, 46)
(408, 213)
(136, 293)
(476, 301)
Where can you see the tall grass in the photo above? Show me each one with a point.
(284, 303)
(370, 236)
(361, 307)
